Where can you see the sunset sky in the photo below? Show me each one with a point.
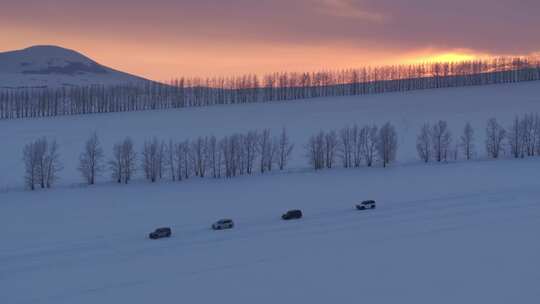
(162, 39)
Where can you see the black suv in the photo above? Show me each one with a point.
(160, 233)
(223, 224)
(366, 205)
(292, 214)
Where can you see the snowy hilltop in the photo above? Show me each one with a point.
(53, 67)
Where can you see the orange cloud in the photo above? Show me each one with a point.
(163, 61)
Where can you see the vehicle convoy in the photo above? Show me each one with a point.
(229, 224)
(292, 214)
(370, 204)
(160, 233)
(223, 224)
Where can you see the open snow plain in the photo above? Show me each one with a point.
(465, 232)
(454, 233)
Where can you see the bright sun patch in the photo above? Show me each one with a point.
(444, 57)
(452, 57)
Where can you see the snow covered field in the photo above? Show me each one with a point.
(408, 111)
(464, 232)
(454, 233)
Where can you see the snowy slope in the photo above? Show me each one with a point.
(463, 232)
(456, 233)
(408, 111)
(52, 66)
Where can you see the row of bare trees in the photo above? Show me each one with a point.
(260, 151)
(521, 139)
(230, 156)
(42, 102)
(122, 165)
(523, 136)
(434, 142)
(353, 146)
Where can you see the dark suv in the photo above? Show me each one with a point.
(223, 224)
(366, 205)
(292, 214)
(160, 233)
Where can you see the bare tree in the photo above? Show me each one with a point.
(441, 140)
(285, 149)
(250, 150)
(265, 150)
(41, 148)
(199, 155)
(187, 166)
(274, 153)
(454, 152)
(423, 143)
(536, 135)
(215, 157)
(316, 151)
(123, 165)
(467, 142)
(42, 163)
(170, 160)
(241, 159)
(181, 160)
(517, 137)
(495, 135)
(32, 158)
(230, 150)
(330, 149)
(346, 146)
(225, 150)
(115, 164)
(91, 160)
(357, 146)
(52, 164)
(531, 132)
(387, 144)
(369, 140)
(153, 159)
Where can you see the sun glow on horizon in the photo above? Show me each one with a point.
(454, 56)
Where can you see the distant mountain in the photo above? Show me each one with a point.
(53, 67)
